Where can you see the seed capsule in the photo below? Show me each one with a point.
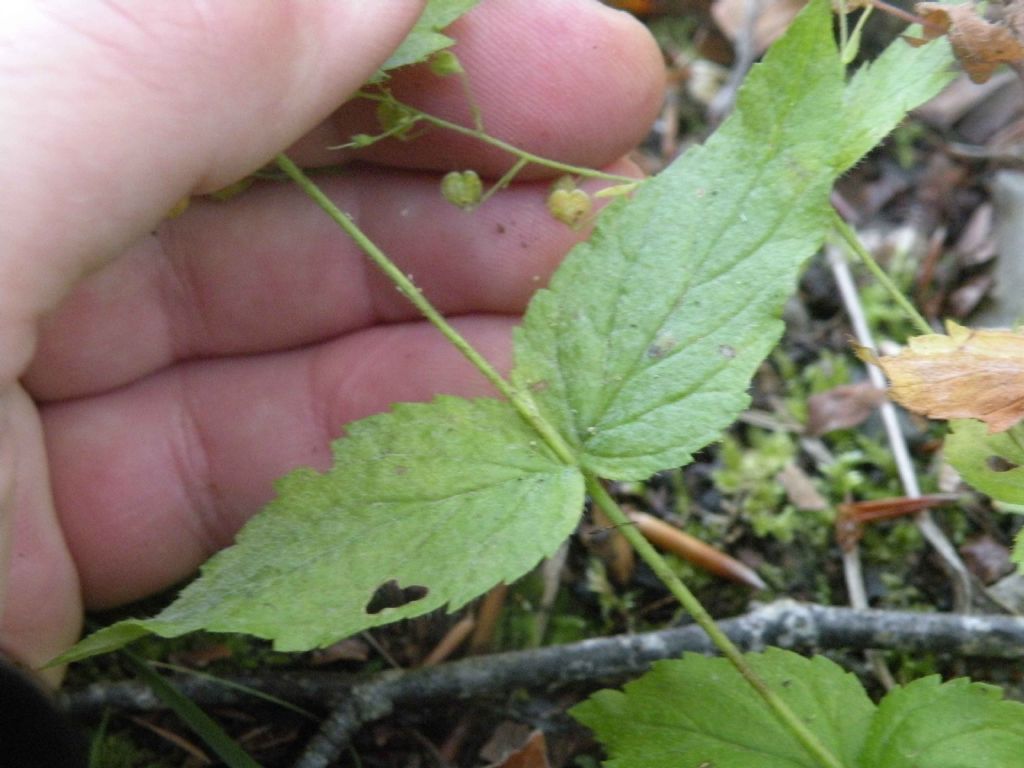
(462, 188)
(569, 206)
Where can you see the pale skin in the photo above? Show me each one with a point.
(157, 375)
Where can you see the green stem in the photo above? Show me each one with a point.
(844, 32)
(693, 606)
(521, 401)
(528, 410)
(504, 181)
(522, 154)
(853, 242)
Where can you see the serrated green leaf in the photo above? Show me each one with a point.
(958, 724)
(699, 711)
(639, 354)
(970, 449)
(642, 348)
(455, 496)
(426, 38)
(882, 92)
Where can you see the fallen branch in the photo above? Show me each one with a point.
(357, 700)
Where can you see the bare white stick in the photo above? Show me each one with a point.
(960, 576)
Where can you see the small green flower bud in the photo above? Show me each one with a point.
(360, 140)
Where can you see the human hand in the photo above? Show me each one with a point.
(156, 376)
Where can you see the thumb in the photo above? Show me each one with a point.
(114, 111)
(111, 112)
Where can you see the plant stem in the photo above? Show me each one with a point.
(693, 606)
(853, 242)
(527, 409)
(520, 401)
(522, 154)
(504, 181)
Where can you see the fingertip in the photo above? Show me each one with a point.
(575, 81)
(114, 112)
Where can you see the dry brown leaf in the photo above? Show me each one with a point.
(842, 407)
(969, 374)
(509, 748)
(979, 45)
(799, 489)
(986, 558)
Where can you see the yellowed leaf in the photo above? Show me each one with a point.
(967, 374)
(979, 45)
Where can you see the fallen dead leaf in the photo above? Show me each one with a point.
(842, 407)
(969, 374)
(986, 558)
(979, 45)
(533, 754)
(799, 489)
(515, 745)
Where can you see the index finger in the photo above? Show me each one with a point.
(585, 100)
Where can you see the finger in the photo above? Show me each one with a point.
(40, 605)
(583, 91)
(153, 478)
(112, 113)
(269, 271)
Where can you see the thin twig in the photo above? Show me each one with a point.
(601, 661)
(960, 576)
(746, 54)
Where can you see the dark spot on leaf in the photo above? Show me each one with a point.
(401, 469)
(390, 595)
(661, 347)
(539, 386)
(999, 464)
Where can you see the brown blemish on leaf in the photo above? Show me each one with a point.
(969, 374)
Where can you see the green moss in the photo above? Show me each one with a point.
(119, 750)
